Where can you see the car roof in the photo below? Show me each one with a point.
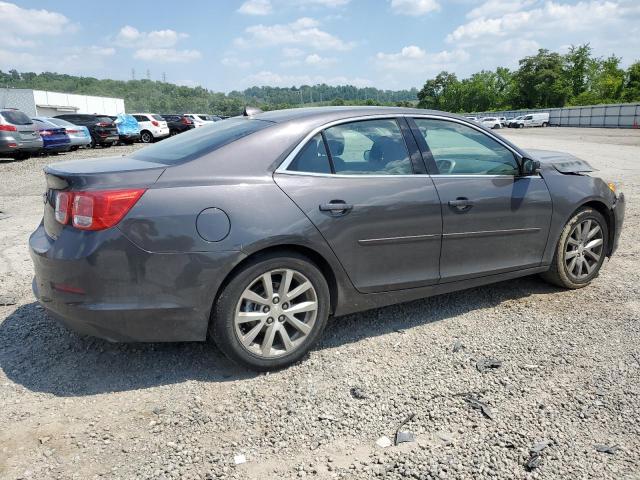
(328, 114)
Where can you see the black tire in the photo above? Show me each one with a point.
(146, 137)
(222, 328)
(22, 156)
(559, 273)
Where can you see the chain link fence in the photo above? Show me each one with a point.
(619, 115)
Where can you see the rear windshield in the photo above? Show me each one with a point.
(104, 119)
(199, 141)
(157, 117)
(16, 117)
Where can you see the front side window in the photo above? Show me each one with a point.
(461, 150)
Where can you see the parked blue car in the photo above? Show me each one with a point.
(128, 128)
(78, 134)
(54, 137)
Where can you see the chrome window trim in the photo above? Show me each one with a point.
(282, 168)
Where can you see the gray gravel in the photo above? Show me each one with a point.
(563, 400)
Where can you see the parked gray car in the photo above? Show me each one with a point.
(19, 138)
(78, 134)
(256, 229)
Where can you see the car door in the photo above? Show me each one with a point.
(355, 181)
(494, 220)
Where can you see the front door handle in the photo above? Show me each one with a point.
(336, 207)
(461, 204)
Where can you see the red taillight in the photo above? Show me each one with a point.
(154, 123)
(95, 210)
(72, 131)
(8, 128)
(45, 133)
(186, 121)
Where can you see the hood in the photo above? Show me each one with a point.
(561, 161)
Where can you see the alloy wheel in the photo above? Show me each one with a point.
(276, 313)
(584, 249)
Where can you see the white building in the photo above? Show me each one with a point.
(39, 103)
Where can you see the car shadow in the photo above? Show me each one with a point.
(43, 356)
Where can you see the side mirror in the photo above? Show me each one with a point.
(530, 166)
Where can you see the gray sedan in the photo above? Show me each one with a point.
(254, 230)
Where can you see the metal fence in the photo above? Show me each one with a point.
(619, 115)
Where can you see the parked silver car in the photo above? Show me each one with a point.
(19, 138)
(78, 134)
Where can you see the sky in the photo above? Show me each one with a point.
(231, 45)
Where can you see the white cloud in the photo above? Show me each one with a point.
(234, 62)
(255, 7)
(414, 8)
(416, 60)
(291, 52)
(551, 18)
(71, 60)
(31, 22)
(492, 8)
(167, 55)
(301, 32)
(266, 77)
(129, 36)
(321, 3)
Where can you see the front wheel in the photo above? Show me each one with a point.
(272, 312)
(580, 251)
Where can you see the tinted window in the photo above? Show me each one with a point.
(199, 141)
(16, 117)
(368, 147)
(141, 118)
(104, 119)
(60, 122)
(312, 158)
(461, 150)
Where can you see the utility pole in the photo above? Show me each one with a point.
(148, 74)
(164, 77)
(133, 74)
(301, 98)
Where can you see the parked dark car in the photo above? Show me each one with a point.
(257, 228)
(178, 123)
(19, 138)
(102, 129)
(54, 137)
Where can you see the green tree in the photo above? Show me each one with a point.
(541, 81)
(632, 83)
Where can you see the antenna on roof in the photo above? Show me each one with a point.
(251, 111)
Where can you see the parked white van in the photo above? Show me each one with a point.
(536, 120)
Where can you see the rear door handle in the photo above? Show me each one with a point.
(461, 204)
(336, 207)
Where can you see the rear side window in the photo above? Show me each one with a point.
(312, 158)
(199, 141)
(141, 118)
(16, 117)
(368, 147)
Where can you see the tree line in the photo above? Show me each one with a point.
(155, 96)
(544, 80)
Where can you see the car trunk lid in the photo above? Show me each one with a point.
(109, 173)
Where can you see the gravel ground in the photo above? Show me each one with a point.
(566, 383)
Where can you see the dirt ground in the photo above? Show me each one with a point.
(74, 407)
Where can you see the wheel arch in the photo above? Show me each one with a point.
(312, 255)
(601, 207)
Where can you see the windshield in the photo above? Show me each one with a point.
(60, 122)
(199, 141)
(16, 117)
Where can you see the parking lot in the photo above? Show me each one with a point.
(566, 384)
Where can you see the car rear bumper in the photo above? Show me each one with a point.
(618, 215)
(79, 141)
(12, 145)
(101, 284)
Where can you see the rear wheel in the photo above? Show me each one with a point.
(580, 251)
(271, 312)
(545, 124)
(146, 137)
(22, 156)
